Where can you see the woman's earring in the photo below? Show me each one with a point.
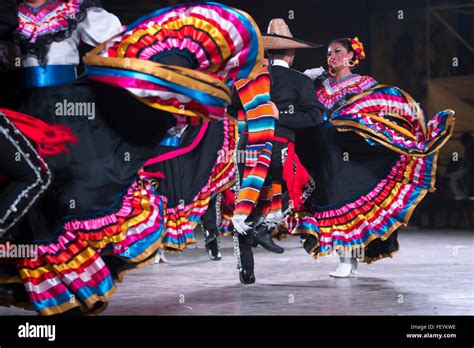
(349, 62)
(331, 72)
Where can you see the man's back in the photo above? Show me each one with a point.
(294, 95)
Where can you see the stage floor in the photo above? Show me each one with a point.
(432, 274)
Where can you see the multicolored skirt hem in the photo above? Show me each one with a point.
(374, 216)
(181, 220)
(79, 270)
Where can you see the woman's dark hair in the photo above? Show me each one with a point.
(345, 42)
(352, 45)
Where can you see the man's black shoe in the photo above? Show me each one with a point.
(212, 249)
(212, 245)
(264, 238)
(246, 276)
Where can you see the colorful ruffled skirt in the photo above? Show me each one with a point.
(370, 171)
(193, 173)
(103, 215)
(97, 220)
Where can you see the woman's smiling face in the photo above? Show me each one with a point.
(338, 56)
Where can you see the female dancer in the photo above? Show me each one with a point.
(194, 167)
(193, 170)
(24, 142)
(373, 160)
(103, 215)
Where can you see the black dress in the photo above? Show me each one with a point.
(92, 179)
(95, 214)
(101, 217)
(192, 173)
(373, 160)
(344, 167)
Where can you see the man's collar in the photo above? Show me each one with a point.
(281, 62)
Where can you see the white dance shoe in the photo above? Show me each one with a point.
(160, 257)
(346, 268)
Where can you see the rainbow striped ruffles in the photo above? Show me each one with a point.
(182, 219)
(217, 41)
(390, 117)
(79, 268)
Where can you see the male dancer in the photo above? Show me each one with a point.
(297, 107)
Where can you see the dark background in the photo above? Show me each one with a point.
(403, 52)
(411, 44)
